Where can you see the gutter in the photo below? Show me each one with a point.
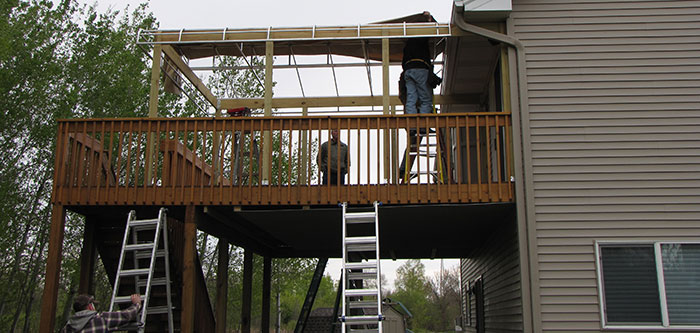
(523, 164)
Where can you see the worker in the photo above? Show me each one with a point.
(332, 150)
(87, 319)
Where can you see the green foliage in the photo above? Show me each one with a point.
(434, 302)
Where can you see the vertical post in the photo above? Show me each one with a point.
(153, 107)
(216, 151)
(279, 314)
(53, 269)
(188, 269)
(385, 104)
(267, 283)
(247, 290)
(267, 140)
(394, 150)
(87, 258)
(222, 286)
(305, 162)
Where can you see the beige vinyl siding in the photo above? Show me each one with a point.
(614, 111)
(497, 263)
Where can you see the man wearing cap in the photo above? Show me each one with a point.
(86, 319)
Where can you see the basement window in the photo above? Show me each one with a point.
(649, 285)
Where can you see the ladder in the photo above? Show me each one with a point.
(243, 172)
(426, 154)
(144, 242)
(361, 307)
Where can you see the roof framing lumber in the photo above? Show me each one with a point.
(317, 102)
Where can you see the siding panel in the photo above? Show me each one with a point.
(614, 101)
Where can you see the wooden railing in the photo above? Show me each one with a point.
(273, 160)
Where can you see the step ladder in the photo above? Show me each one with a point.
(420, 156)
(145, 241)
(246, 155)
(361, 307)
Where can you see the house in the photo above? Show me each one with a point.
(567, 176)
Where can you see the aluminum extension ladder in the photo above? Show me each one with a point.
(146, 249)
(361, 307)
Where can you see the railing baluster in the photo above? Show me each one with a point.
(489, 168)
(499, 160)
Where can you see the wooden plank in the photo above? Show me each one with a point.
(187, 317)
(222, 286)
(316, 102)
(190, 75)
(53, 269)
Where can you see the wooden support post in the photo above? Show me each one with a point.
(188, 270)
(222, 286)
(153, 108)
(87, 258)
(247, 291)
(155, 82)
(267, 284)
(385, 105)
(53, 269)
(267, 140)
(305, 161)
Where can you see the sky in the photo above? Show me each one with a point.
(219, 14)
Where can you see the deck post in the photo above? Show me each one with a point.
(247, 290)
(267, 139)
(53, 269)
(222, 286)
(267, 282)
(188, 269)
(386, 106)
(87, 258)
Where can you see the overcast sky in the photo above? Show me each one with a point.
(188, 14)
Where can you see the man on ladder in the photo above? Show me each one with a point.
(86, 319)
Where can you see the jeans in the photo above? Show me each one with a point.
(417, 91)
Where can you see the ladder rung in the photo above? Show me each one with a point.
(134, 272)
(361, 247)
(361, 265)
(362, 276)
(360, 240)
(360, 292)
(363, 217)
(146, 255)
(154, 282)
(144, 223)
(157, 309)
(363, 304)
(357, 320)
(139, 246)
(125, 299)
(362, 330)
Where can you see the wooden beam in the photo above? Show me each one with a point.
(385, 105)
(267, 283)
(247, 296)
(222, 286)
(155, 82)
(87, 258)
(267, 140)
(53, 269)
(190, 75)
(188, 270)
(317, 102)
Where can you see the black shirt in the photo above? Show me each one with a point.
(416, 54)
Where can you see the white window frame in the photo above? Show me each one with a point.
(665, 324)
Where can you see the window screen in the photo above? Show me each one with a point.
(630, 284)
(681, 263)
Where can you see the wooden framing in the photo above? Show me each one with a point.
(176, 59)
(188, 272)
(88, 255)
(326, 102)
(53, 269)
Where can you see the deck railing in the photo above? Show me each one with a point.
(273, 160)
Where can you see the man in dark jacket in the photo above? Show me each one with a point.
(87, 320)
(334, 158)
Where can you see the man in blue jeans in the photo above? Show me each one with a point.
(417, 66)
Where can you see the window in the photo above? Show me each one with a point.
(655, 284)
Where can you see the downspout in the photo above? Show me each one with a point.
(523, 180)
